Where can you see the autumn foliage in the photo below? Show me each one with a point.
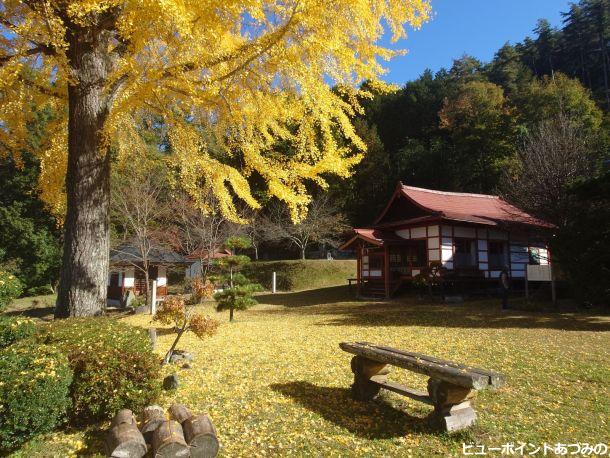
(175, 312)
(223, 76)
(201, 289)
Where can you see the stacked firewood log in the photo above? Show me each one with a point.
(181, 434)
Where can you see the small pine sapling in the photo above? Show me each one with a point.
(174, 311)
(239, 293)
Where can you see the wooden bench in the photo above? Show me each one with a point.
(451, 387)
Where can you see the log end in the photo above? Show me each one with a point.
(204, 446)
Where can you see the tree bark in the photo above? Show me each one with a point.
(170, 352)
(82, 286)
(147, 292)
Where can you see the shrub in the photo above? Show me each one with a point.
(34, 392)
(201, 289)
(176, 312)
(113, 363)
(13, 329)
(10, 288)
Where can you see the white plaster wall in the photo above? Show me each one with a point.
(418, 232)
(404, 233)
(162, 276)
(447, 250)
(129, 277)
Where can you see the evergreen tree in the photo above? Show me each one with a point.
(239, 293)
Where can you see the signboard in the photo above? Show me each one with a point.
(539, 273)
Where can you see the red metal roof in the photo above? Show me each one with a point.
(475, 208)
(373, 236)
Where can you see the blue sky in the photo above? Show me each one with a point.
(475, 27)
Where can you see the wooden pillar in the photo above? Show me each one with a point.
(359, 271)
(386, 270)
(527, 286)
(553, 291)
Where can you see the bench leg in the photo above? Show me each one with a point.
(452, 406)
(363, 389)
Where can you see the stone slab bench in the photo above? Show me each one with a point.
(451, 386)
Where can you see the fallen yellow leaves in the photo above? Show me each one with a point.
(275, 382)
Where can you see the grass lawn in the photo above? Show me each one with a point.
(276, 383)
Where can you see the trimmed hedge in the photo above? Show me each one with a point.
(13, 329)
(113, 363)
(34, 391)
(294, 275)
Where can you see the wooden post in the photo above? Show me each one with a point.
(152, 335)
(386, 270)
(527, 288)
(124, 439)
(180, 413)
(168, 441)
(152, 417)
(359, 271)
(200, 434)
(123, 416)
(452, 409)
(363, 389)
(273, 282)
(153, 298)
(553, 292)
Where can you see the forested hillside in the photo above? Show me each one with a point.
(460, 129)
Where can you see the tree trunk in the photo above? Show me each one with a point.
(147, 294)
(170, 352)
(84, 273)
(231, 314)
(303, 253)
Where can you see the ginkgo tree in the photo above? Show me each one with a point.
(228, 78)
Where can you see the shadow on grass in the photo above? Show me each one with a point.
(372, 420)
(309, 297)
(341, 309)
(477, 315)
(40, 313)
